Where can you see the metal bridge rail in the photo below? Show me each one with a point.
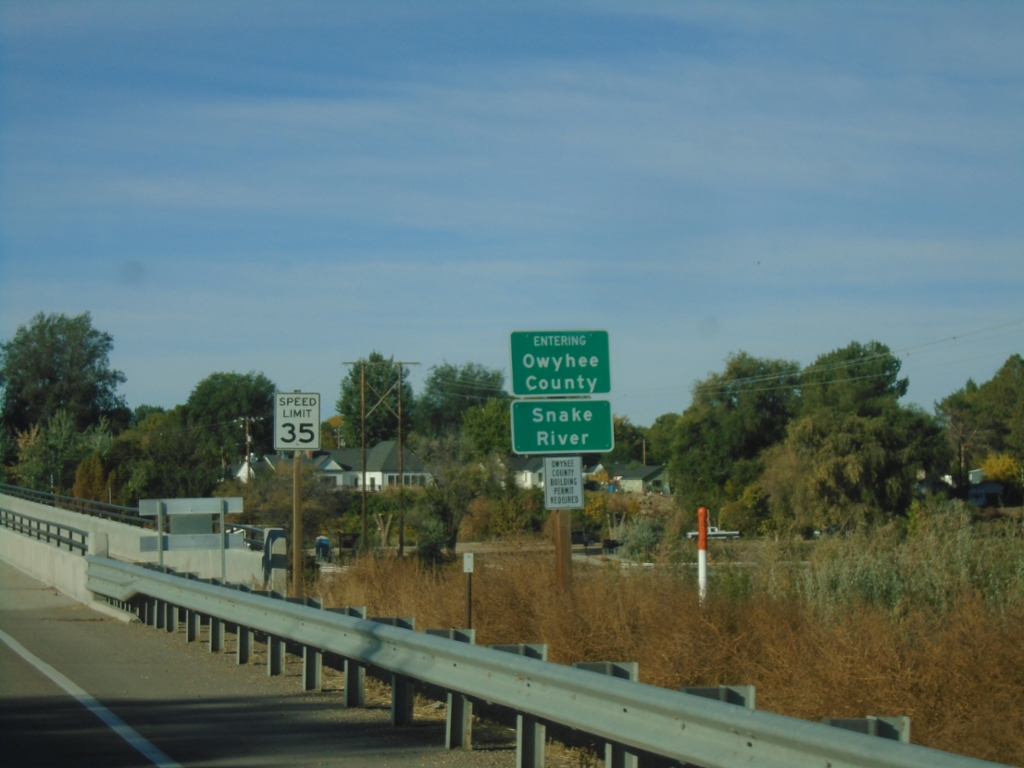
(121, 514)
(45, 530)
(651, 720)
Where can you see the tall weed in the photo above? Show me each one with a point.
(927, 624)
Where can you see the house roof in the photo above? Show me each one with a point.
(648, 472)
(525, 463)
(383, 457)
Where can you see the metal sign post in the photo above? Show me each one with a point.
(297, 428)
(467, 568)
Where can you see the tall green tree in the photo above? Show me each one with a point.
(381, 401)
(488, 428)
(965, 429)
(220, 403)
(165, 456)
(1000, 403)
(734, 416)
(60, 363)
(451, 390)
(629, 443)
(858, 378)
(659, 438)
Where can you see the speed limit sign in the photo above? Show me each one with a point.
(297, 421)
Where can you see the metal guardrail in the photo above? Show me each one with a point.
(45, 530)
(121, 514)
(647, 719)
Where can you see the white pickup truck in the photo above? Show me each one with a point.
(714, 533)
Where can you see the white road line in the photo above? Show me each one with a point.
(115, 723)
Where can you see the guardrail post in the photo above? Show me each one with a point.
(161, 614)
(243, 644)
(531, 734)
(741, 695)
(170, 617)
(354, 673)
(458, 729)
(216, 634)
(191, 626)
(615, 755)
(275, 656)
(243, 636)
(896, 727)
(403, 689)
(312, 658)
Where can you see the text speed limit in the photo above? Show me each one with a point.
(296, 421)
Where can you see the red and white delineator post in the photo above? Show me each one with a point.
(702, 551)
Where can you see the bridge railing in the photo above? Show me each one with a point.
(654, 723)
(128, 515)
(45, 530)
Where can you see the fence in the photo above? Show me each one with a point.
(657, 725)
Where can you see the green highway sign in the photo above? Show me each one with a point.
(551, 363)
(562, 426)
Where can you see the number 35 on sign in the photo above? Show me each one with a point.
(297, 421)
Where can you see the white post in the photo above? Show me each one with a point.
(160, 530)
(702, 552)
(223, 543)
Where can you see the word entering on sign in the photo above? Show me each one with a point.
(541, 415)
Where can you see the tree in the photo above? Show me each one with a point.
(451, 390)
(92, 481)
(381, 401)
(458, 481)
(1002, 468)
(1000, 404)
(659, 438)
(49, 454)
(60, 363)
(840, 468)
(220, 403)
(858, 378)
(734, 416)
(165, 457)
(488, 428)
(963, 427)
(629, 443)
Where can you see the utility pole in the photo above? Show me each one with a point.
(248, 452)
(381, 400)
(362, 435)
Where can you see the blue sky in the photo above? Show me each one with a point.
(282, 186)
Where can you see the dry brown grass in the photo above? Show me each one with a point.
(958, 673)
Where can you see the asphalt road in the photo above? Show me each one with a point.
(197, 708)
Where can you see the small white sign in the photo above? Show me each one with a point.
(467, 562)
(297, 421)
(563, 482)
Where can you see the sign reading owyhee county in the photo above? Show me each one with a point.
(563, 482)
(562, 426)
(297, 421)
(555, 363)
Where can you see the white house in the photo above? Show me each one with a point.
(343, 467)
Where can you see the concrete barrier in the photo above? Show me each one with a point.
(243, 566)
(56, 567)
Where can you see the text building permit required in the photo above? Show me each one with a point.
(563, 482)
